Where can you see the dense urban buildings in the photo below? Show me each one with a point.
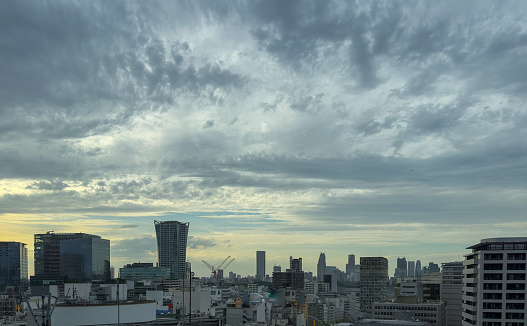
(78, 256)
(494, 283)
(260, 265)
(13, 265)
(373, 281)
(172, 246)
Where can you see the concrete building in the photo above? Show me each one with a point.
(494, 283)
(373, 281)
(321, 266)
(172, 246)
(13, 265)
(295, 264)
(144, 271)
(260, 265)
(288, 279)
(350, 267)
(451, 291)
(431, 312)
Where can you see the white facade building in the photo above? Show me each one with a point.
(494, 283)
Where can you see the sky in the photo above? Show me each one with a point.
(391, 128)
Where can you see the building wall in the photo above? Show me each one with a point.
(373, 281)
(494, 283)
(433, 313)
(451, 291)
(13, 265)
(260, 265)
(172, 246)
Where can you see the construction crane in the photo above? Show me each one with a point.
(216, 271)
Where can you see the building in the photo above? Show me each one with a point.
(13, 265)
(350, 267)
(430, 312)
(172, 246)
(451, 290)
(260, 265)
(61, 256)
(411, 268)
(288, 279)
(295, 264)
(373, 281)
(402, 266)
(494, 283)
(144, 271)
(85, 259)
(418, 268)
(321, 266)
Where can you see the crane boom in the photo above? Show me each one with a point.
(212, 269)
(230, 261)
(223, 262)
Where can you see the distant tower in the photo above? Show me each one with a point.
(260, 265)
(172, 246)
(417, 268)
(350, 266)
(402, 266)
(321, 267)
(295, 264)
(411, 268)
(13, 265)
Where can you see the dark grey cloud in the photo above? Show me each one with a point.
(200, 242)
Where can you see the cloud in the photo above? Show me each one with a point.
(200, 243)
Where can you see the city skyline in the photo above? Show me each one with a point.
(388, 128)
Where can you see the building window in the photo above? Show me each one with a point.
(491, 305)
(516, 306)
(515, 286)
(493, 256)
(492, 277)
(492, 296)
(493, 267)
(492, 286)
(492, 315)
(516, 256)
(515, 296)
(515, 315)
(516, 267)
(516, 277)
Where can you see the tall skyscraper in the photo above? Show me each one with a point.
(373, 281)
(350, 266)
(295, 264)
(260, 265)
(321, 267)
(494, 288)
(402, 266)
(13, 265)
(172, 246)
(417, 268)
(79, 256)
(411, 268)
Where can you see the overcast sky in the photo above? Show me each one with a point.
(392, 128)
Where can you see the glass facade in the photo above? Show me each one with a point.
(144, 273)
(76, 256)
(13, 265)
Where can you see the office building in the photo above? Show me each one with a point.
(430, 312)
(76, 256)
(288, 279)
(350, 267)
(402, 266)
(260, 265)
(144, 271)
(373, 281)
(451, 291)
(494, 283)
(418, 268)
(13, 265)
(411, 268)
(321, 266)
(295, 264)
(172, 247)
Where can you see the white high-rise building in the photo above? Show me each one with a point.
(494, 283)
(172, 246)
(260, 265)
(373, 281)
(411, 268)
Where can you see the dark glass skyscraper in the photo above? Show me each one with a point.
(78, 256)
(13, 265)
(172, 246)
(321, 267)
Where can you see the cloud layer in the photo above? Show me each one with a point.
(264, 123)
